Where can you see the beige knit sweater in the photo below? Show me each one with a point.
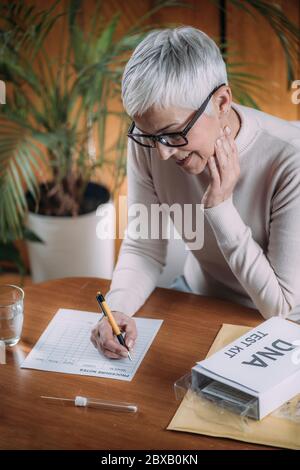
(251, 250)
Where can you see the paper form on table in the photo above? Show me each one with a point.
(65, 346)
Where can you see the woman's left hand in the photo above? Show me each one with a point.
(224, 170)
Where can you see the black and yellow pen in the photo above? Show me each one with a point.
(107, 312)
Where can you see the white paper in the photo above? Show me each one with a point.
(65, 346)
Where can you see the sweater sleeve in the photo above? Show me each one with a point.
(141, 259)
(271, 278)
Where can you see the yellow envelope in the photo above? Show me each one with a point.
(202, 417)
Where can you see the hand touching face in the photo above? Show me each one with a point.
(224, 170)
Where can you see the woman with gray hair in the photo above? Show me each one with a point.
(190, 144)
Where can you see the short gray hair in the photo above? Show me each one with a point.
(172, 67)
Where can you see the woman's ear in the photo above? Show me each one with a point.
(223, 100)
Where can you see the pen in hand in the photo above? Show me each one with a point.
(107, 312)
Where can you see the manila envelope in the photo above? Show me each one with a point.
(203, 417)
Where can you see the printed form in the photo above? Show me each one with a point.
(65, 346)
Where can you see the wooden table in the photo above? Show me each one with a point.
(191, 323)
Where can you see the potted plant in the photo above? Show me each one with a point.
(53, 129)
(53, 138)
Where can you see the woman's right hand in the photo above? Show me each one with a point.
(104, 340)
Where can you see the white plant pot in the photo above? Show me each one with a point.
(72, 246)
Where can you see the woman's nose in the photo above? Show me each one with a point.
(165, 152)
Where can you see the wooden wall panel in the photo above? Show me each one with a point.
(257, 43)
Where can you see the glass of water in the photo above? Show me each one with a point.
(11, 313)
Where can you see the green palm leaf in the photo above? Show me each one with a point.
(19, 165)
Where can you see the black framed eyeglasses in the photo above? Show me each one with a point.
(170, 139)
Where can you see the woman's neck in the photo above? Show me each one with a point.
(234, 122)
